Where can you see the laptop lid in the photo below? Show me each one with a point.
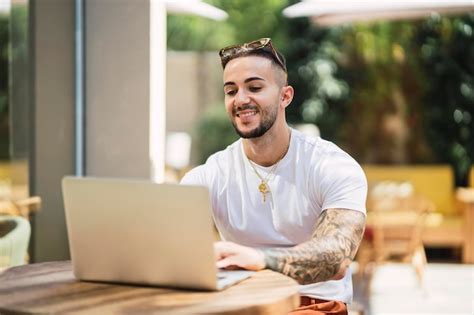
(140, 232)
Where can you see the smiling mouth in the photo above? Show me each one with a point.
(247, 113)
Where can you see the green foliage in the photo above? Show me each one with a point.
(4, 40)
(383, 71)
(388, 92)
(447, 56)
(195, 33)
(252, 19)
(19, 34)
(248, 20)
(4, 86)
(214, 132)
(314, 73)
(398, 92)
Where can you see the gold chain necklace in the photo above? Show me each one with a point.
(263, 186)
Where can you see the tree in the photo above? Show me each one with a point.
(388, 92)
(320, 92)
(447, 56)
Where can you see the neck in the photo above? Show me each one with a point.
(269, 148)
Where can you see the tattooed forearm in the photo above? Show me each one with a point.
(331, 249)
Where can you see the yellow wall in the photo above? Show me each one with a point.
(433, 181)
(14, 179)
(14, 170)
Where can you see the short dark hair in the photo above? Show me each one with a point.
(259, 53)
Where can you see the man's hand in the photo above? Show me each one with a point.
(231, 255)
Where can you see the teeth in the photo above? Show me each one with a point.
(247, 114)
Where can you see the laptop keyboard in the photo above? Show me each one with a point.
(226, 278)
(222, 274)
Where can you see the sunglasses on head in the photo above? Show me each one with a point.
(263, 44)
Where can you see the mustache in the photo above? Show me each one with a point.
(235, 110)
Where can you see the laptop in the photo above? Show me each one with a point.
(144, 233)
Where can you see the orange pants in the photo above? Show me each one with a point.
(310, 306)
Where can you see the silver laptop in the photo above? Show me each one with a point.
(139, 232)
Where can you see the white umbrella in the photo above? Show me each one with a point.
(332, 12)
(5, 6)
(195, 7)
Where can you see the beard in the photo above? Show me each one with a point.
(268, 118)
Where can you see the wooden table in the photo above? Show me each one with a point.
(51, 288)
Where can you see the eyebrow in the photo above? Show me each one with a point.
(246, 81)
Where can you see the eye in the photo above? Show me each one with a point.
(230, 92)
(255, 88)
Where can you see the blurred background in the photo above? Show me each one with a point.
(134, 89)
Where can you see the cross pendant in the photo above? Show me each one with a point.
(263, 189)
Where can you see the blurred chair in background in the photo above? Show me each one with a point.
(21, 207)
(14, 239)
(394, 232)
(465, 202)
(15, 229)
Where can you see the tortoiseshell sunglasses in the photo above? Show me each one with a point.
(264, 44)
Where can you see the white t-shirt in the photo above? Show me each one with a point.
(313, 176)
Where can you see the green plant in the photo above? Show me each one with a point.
(447, 56)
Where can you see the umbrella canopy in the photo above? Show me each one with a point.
(195, 7)
(333, 12)
(191, 7)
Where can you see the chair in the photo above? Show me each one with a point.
(394, 233)
(465, 202)
(20, 207)
(14, 238)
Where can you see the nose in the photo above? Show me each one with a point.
(241, 98)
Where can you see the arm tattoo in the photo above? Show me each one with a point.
(333, 246)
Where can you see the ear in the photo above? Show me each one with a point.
(286, 96)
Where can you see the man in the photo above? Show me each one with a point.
(282, 200)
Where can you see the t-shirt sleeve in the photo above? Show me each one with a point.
(341, 183)
(196, 176)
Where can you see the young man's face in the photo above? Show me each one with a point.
(252, 89)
